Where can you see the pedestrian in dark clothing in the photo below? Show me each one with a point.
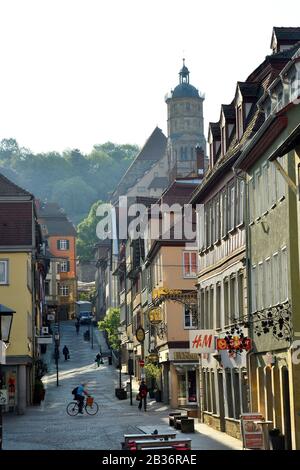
(77, 326)
(66, 353)
(98, 359)
(143, 390)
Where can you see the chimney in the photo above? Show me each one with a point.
(200, 161)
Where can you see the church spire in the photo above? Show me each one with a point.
(184, 74)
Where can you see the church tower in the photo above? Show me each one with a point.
(185, 128)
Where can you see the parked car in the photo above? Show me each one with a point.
(85, 317)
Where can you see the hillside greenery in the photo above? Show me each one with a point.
(72, 179)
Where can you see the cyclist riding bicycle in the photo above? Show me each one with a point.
(79, 393)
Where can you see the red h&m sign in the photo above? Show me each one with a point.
(202, 341)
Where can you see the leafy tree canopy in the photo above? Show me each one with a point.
(110, 324)
(86, 234)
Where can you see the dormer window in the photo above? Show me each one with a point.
(277, 98)
(240, 121)
(223, 139)
(293, 87)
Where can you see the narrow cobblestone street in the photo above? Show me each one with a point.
(49, 427)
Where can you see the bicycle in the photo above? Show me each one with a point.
(91, 407)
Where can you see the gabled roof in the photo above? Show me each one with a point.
(286, 33)
(215, 130)
(228, 111)
(159, 182)
(55, 219)
(153, 151)
(248, 89)
(10, 189)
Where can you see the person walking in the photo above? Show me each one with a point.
(98, 359)
(77, 326)
(143, 390)
(66, 353)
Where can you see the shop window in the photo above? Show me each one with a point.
(181, 386)
(236, 389)
(228, 379)
(192, 387)
(213, 393)
(245, 392)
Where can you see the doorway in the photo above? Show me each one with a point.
(286, 408)
(221, 401)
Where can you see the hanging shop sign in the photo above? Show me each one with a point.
(155, 315)
(152, 357)
(164, 291)
(234, 343)
(202, 341)
(252, 431)
(140, 334)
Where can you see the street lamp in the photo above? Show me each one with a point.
(130, 366)
(120, 333)
(56, 354)
(6, 317)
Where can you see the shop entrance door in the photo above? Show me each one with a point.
(192, 388)
(221, 401)
(286, 408)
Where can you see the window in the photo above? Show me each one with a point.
(3, 272)
(260, 286)
(293, 88)
(240, 214)
(231, 217)
(218, 306)
(226, 301)
(218, 219)
(224, 213)
(63, 244)
(202, 307)
(236, 390)
(241, 295)
(213, 392)
(265, 185)
(240, 122)
(229, 394)
(253, 288)
(284, 275)
(183, 153)
(190, 264)
(189, 318)
(64, 290)
(233, 298)
(211, 308)
(268, 281)
(47, 288)
(258, 194)
(275, 276)
(206, 309)
(223, 141)
(65, 267)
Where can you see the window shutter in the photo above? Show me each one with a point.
(58, 244)
(186, 260)
(68, 266)
(68, 244)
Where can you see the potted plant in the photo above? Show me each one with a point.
(153, 374)
(39, 392)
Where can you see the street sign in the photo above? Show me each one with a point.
(252, 431)
(142, 363)
(3, 397)
(44, 339)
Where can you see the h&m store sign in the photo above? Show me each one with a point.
(205, 342)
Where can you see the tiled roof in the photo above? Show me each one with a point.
(55, 219)
(153, 151)
(249, 89)
(228, 111)
(16, 223)
(289, 33)
(8, 188)
(159, 182)
(215, 130)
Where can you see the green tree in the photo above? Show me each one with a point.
(86, 234)
(110, 324)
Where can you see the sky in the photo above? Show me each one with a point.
(75, 73)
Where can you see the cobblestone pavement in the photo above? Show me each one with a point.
(49, 427)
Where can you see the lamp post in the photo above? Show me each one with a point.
(56, 354)
(6, 317)
(120, 332)
(130, 366)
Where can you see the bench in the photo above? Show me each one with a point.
(128, 438)
(187, 425)
(172, 443)
(177, 421)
